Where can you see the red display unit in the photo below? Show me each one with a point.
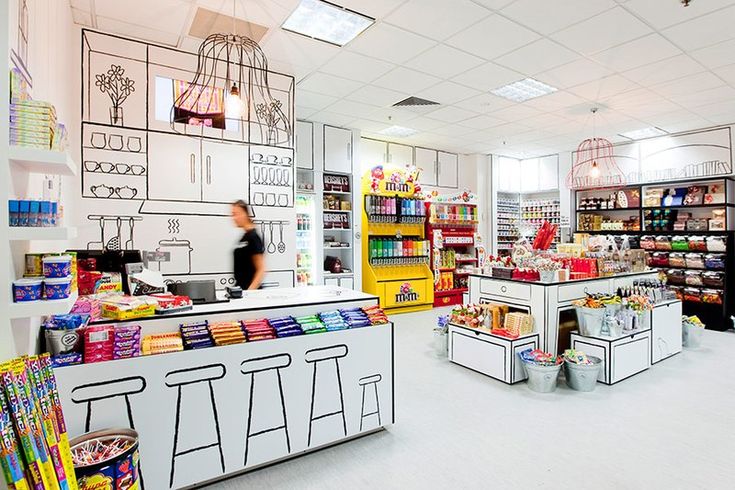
(451, 227)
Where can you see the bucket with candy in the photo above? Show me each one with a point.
(580, 370)
(106, 459)
(542, 369)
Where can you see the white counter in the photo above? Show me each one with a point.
(550, 304)
(210, 413)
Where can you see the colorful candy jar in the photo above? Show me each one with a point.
(56, 266)
(58, 287)
(27, 289)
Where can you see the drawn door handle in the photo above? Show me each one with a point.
(192, 164)
(349, 151)
(209, 169)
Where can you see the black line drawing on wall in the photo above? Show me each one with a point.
(114, 238)
(113, 168)
(118, 88)
(325, 355)
(99, 140)
(180, 250)
(104, 390)
(104, 191)
(267, 233)
(174, 226)
(185, 377)
(261, 365)
(373, 381)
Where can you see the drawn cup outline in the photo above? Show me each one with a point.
(283, 200)
(115, 142)
(258, 198)
(270, 199)
(137, 144)
(98, 140)
(256, 157)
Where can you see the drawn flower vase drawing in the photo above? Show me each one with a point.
(118, 88)
(270, 115)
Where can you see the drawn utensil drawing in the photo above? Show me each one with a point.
(281, 244)
(129, 244)
(114, 243)
(271, 245)
(117, 239)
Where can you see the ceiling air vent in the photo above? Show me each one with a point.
(414, 102)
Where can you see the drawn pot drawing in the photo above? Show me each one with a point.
(180, 251)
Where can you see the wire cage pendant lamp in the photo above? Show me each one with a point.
(230, 92)
(594, 164)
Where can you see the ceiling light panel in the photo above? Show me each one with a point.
(327, 22)
(643, 133)
(523, 90)
(398, 131)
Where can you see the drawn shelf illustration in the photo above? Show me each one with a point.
(138, 164)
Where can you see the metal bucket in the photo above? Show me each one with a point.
(542, 379)
(119, 472)
(582, 377)
(691, 335)
(590, 320)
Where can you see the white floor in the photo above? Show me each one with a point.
(671, 427)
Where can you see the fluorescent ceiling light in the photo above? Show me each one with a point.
(643, 133)
(326, 22)
(398, 131)
(523, 90)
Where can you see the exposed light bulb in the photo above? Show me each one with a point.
(233, 104)
(595, 171)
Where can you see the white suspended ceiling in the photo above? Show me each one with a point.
(642, 62)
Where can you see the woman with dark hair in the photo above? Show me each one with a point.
(249, 258)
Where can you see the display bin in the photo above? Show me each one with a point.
(488, 354)
(666, 331)
(622, 357)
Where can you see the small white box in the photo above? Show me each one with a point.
(491, 355)
(622, 357)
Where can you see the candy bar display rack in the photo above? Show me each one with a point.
(657, 215)
(394, 214)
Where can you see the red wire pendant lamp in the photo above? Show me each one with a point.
(594, 164)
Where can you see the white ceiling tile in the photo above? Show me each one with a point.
(536, 57)
(81, 17)
(494, 4)
(515, 112)
(703, 31)
(650, 107)
(717, 55)
(574, 73)
(560, 101)
(426, 124)
(641, 51)
(390, 43)
(444, 61)
(547, 16)
(688, 125)
(602, 31)
(451, 114)
(603, 88)
(394, 115)
(447, 93)
(727, 73)
(452, 130)
(297, 50)
(492, 37)
(332, 118)
(367, 126)
(270, 14)
(484, 103)
(664, 71)
(305, 113)
(488, 77)
(297, 71)
(352, 108)
(405, 80)
(136, 31)
(356, 67)
(377, 9)
(663, 119)
(481, 122)
(444, 18)
(660, 17)
(379, 96)
(719, 112)
(148, 14)
(687, 85)
(313, 100)
(700, 98)
(328, 84)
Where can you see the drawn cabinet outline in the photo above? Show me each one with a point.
(174, 167)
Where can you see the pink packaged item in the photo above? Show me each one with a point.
(98, 343)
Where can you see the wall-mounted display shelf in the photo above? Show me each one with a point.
(19, 233)
(39, 161)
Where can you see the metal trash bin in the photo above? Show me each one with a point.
(691, 335)
(582, 377)
(542, 379)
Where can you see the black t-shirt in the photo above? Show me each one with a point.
(250, 244)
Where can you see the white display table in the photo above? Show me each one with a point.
(546, 302)
(210, 413)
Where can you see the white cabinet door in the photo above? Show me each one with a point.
(305, 145)
(426, 162)
(400, 155)
(337, 150)
(372, 153)
(347, 282)
(174, 167)
(548, 172)
(529, 175)
(666, 324)
(331, 281)
(448, 174)
(224, 172)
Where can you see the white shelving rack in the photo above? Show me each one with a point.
(16, 163)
